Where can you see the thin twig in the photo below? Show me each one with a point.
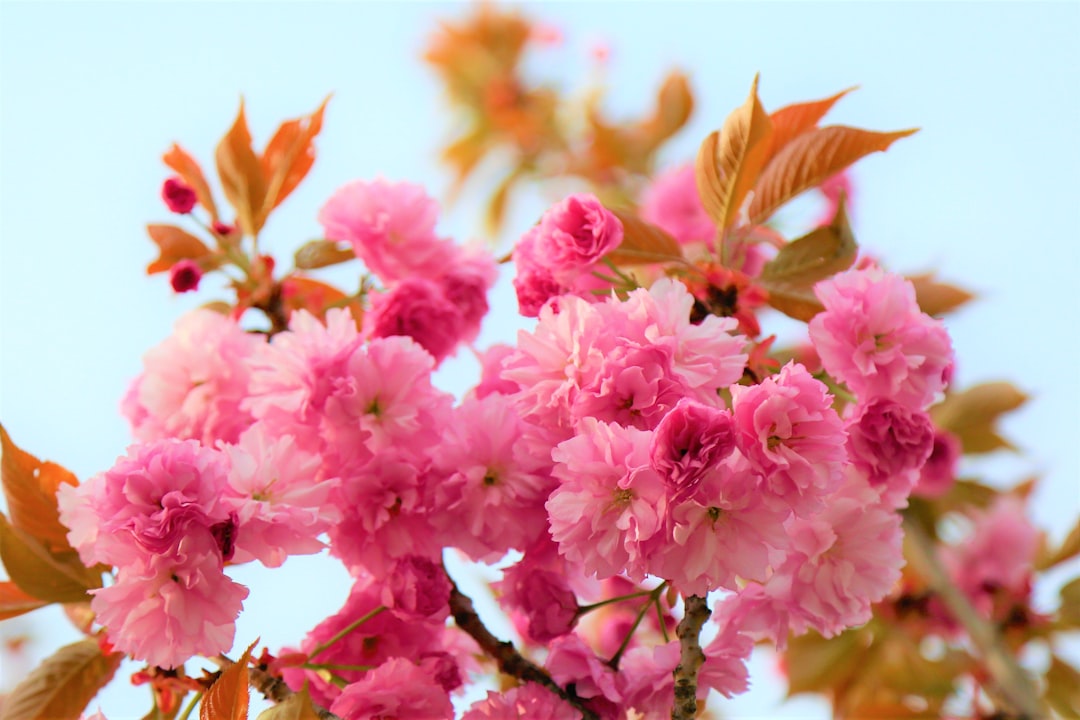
(1013, 682)
(696, 612)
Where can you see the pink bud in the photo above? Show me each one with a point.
(223, 229)
(185, 276)
(178, 196)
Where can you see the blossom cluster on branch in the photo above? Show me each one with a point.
(661, 487)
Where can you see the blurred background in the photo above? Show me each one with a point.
(91, 95)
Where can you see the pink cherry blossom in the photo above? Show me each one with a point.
(873, 337)
(391, 227)
(634, 385)
(889, 444)
(466, 285)
(417, 307)
(571, 661)
(193, 384)
(396, 689)
(544, 597)
(647, 680)
(938, 474)
(417, 587)
(576, 233)
(725, 661)
(672, 203)
(690, 441)
(528, 700)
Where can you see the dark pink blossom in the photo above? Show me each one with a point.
(889, 443)
(690, 441)
(938, 474)
(179, 197)
(549, 605)
(577, 232)
(417, 587)
(417, 307)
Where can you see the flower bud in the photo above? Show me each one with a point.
(178, 196)
(185, 276)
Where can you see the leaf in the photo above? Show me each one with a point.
(1063, 688)
(63, 685)
(228, 697)
(972, 415)
(643, 243)
(15, 602)
(242, 175)
(321, 253)
(729, 162)
(810, 159)
(175, 244)
(496, 207)
(938, 298)
(187, 168)
(790, 277)
(288, 157)
(793, 120)
(30, 488)
(1069, 612)
(39, 573)
(297, 706)
(674, 104)
(1069, 548)
(815, 664)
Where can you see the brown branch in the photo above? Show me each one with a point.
(691, 659)
(1010, 678)
(272, 688)
(506, 656)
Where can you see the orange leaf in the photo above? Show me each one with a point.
(174, 244)
(288, 157)
(790, 276)
(643, 243)
(674, 104)
(41, 574)
(729, 162)
(810, 159)
(14, 601)
(297, 706)
(228, 697)
(242, 174)
(938, 298)
(321, 253)
(187, 168)
(791, 121)
(973, 413)
(301, 293)
(30, 489)
(64, 684)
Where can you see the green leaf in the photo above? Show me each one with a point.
(1069, 548)
(63, 685)
(1063, 688)
(1069, 612)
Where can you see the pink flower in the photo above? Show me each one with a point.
(166, 612)
(873, 337)
(492, 362)
(466, 286)
(417, 588)
(889, 443)
(178, 196)
(610, 502)
(194, 383)
(391, 227)
(416, 307)
(689, 442)
(634, 385)
(790, 433)
(545, 597)
(157, 506)
(938, 474)
(725, 661)
(672, 204)
(648, 683)
(528, 700)
(396, 689)
(571, 661)
(577, 232)
(184, 276)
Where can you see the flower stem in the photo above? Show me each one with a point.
(345, 631)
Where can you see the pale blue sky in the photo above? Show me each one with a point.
(91, 94)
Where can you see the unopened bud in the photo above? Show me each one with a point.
(178, 196)
(185, 276)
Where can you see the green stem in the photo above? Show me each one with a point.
(589, 608)
(335, 666)
(190, 707)
(348, 629)
(1010, 678)
(642, 611)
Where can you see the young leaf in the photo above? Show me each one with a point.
(14, 602)
(228, 697)
(1069, 548)
(971, 415)
(288, 157)
(175, 244)
(643, 243)
(64, 684)
(937, 298)
(674, 104)
(297, 706)
(729, 162)
(39, 573)
(1063, 688)
(186, 167)
(321, 253)
(791, 121)
(812, 158)
(30, 489)
(1069, 612)
(242, 175)
(790, 276)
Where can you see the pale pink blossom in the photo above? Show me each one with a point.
(647, 680)
(634, 385)
(528, 700)
(194, 382)
(610, 502)
(938, 474)
(873, 337)
(725, 661)
(889, 443)
(788, 430)
(570, 660)
(164, 613)
(492, 363)
(391, 227)
(672, 203)
(396, 689)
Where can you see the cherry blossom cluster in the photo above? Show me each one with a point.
(621, 448)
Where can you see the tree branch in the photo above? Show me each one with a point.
(1013, 682)
(691, 659)
(509, 660)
